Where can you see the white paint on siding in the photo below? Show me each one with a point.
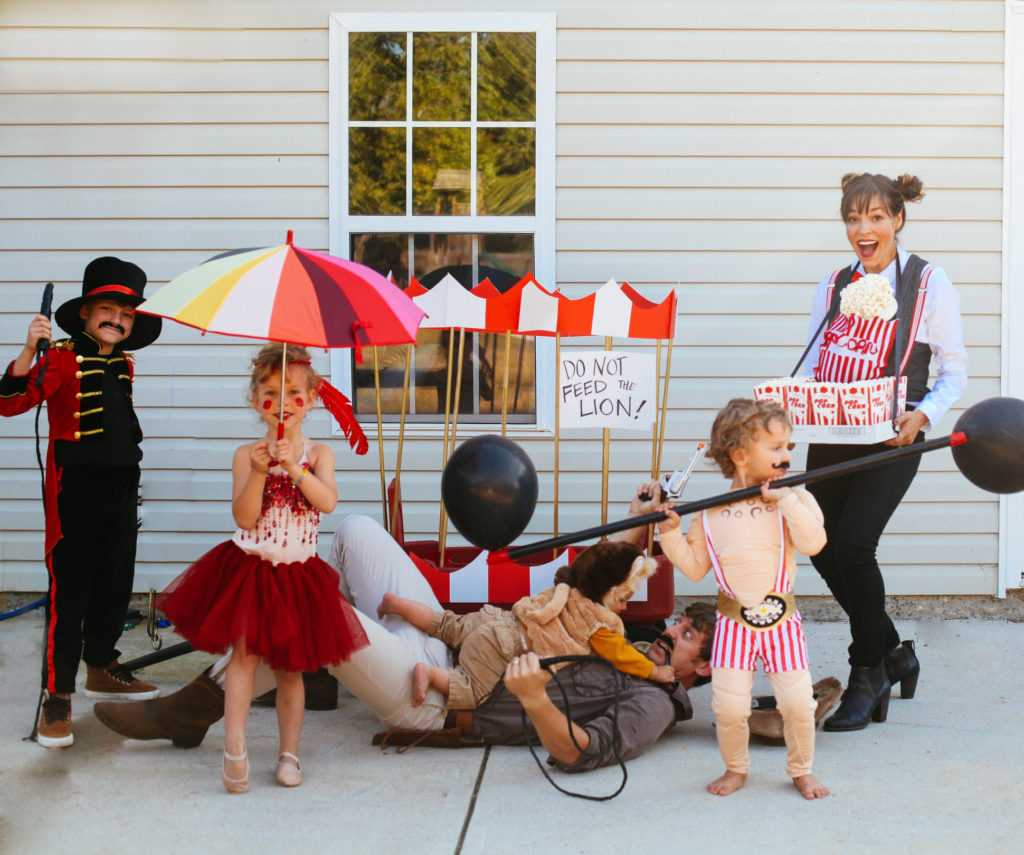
(700, 147)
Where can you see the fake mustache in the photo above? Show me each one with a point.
(665, 645)
(782, 467)
(113, 326)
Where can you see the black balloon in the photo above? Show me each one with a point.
(993, 456)
(489, 489)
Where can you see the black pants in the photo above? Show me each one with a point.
(91, 570)
(857, 508)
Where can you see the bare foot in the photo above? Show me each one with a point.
(420, 683)
(387, 605)
(730, 782)
(810, 788)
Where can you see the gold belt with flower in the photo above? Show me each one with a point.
(768, 614)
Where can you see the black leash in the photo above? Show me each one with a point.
(616, 737)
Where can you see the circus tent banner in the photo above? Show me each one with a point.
(528, 308)
(489, 578)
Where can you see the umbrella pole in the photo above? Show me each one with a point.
(280, 413)
(380, 438)
(401, 441)
(606, 435)
(442, 523)
(504, 383)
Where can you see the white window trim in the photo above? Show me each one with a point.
(1011, 507)
(542, 224)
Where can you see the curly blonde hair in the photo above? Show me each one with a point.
(268, 360)
(737, 425)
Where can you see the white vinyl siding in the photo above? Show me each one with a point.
(699, 147)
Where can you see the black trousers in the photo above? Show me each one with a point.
(91, 570)
(857, 508)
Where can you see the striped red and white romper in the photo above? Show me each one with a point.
(781, 648)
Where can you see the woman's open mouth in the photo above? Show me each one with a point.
(867, 248)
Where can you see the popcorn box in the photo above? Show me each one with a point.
(824, 398)
(798, 403)
(855, 402)
(879, 402)
(771, 390)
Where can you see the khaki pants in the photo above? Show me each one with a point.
(487, 641)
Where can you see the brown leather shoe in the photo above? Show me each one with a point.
(116, 681)
(766, 721)
(183, 717)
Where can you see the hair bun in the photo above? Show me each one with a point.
(911, 187)
(848, 179)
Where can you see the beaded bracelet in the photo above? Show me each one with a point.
(297, 481)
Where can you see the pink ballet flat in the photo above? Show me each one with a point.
(235, 785)
(288, 773)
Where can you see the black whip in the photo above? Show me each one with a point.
(616, 737)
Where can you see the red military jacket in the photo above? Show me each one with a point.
(72, 388)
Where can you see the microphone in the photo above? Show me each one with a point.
(45, 309)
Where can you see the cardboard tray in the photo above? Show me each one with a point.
(844, 434)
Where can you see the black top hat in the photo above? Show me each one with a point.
(113, 279)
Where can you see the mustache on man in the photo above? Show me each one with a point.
(112, 325)
(782, 467)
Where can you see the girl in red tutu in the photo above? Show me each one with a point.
(265, 592)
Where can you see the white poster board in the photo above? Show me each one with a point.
(607, 389)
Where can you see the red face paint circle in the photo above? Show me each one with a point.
(299, 402)
(266, 405)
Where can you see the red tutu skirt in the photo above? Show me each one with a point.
(292, 615)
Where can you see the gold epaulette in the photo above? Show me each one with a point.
(63, 344)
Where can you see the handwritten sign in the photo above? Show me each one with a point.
(602, 388)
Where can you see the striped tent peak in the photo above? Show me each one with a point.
(538, 310)
(649, 319)
(619, 310)
(449, 305)
(503, 310)
(485, 289)
(414, 288)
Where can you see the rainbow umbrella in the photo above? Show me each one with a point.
(289, 294)
(292, 295)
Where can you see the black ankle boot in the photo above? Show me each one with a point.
(866, 699)
(901, 666)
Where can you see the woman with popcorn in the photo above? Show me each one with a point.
(889, 313)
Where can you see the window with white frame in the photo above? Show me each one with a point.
(442, 162)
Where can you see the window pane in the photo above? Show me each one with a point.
(504, 259)
(441, 77)
(437, 255)
(440, 171)
(376, 171)
(505, 161)
(376, 77)
(506, 77)
(387, 254)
